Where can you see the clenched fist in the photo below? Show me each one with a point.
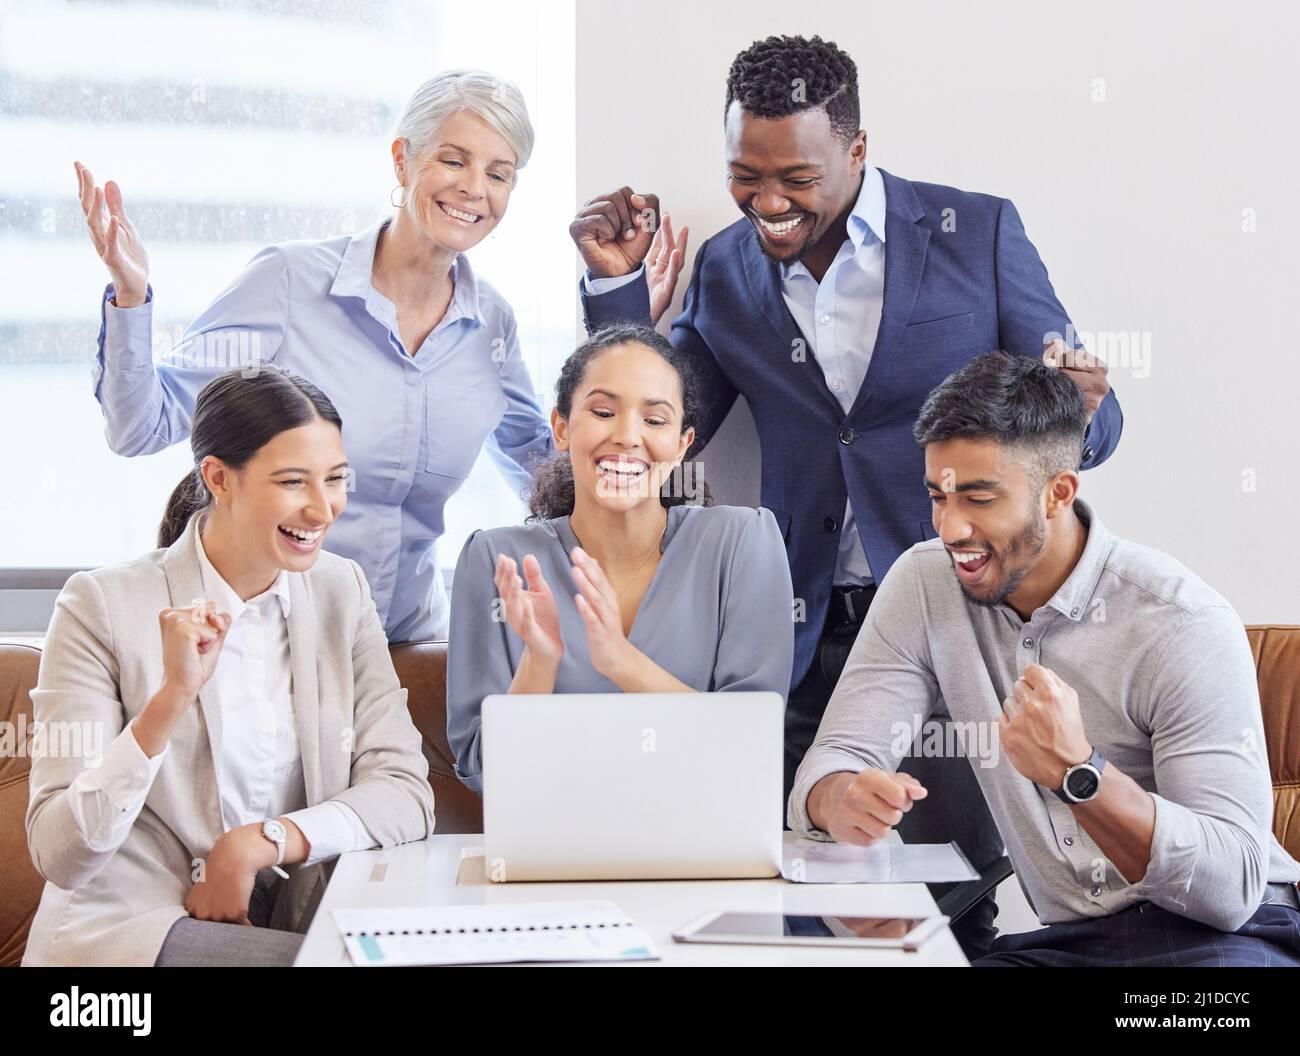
(1041, 727)
(861, 808)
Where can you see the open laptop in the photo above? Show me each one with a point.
(632, 786)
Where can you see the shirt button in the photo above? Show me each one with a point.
(1028, 643)
(835, 384)
(846, 435)
(829, 524)
(1074, 612)
(1095, 891)
(824, 320)
(1068, 841)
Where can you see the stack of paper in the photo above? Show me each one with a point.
(495, 934)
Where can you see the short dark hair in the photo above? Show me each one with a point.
(764, 76)
(235, 415)
(1016, 400)
(552, 491)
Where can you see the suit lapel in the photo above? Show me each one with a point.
(185, 588)
(906, 241)
(306, 686)
(765, 284)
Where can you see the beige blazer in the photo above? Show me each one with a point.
(102, 662)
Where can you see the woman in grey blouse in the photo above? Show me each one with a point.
(633, 582)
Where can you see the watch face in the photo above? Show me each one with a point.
(274, 830)
(1082, 784)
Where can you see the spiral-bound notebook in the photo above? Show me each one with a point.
(496, 934)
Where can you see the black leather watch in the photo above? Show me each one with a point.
(1083, 780)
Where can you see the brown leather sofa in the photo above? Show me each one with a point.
(422, 668)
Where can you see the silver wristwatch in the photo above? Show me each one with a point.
(1083, 780)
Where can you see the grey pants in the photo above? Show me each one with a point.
(212, 944)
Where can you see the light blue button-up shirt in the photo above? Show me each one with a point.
(413, 425)
(839, 318)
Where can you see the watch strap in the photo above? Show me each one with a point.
(280, 844)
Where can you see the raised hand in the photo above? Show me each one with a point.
(597, 604)
(191, 643)
(613, 232)
(1082, 368)
(531, 613)
(1041, 728)
(115, 238)
(664, 265)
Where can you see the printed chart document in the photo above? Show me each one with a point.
(496, 934)
(892, 862)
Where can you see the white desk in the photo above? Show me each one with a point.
(425, 873)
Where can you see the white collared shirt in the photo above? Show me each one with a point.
(258, 761)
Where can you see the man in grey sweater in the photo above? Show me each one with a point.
(1103, 694)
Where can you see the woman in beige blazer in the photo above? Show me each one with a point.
(230, 704)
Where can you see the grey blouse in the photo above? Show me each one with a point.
(717, 614)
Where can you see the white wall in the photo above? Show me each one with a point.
(1135, 204)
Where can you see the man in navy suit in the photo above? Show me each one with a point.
(838, 301)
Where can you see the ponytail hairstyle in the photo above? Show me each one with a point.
(236, 414)
(552, 491)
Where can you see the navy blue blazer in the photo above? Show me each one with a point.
(949, 295)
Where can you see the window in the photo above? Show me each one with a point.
(230, 126)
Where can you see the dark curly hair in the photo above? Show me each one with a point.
(552, 490)
(764, 77)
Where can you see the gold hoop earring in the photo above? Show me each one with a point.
(394, 194)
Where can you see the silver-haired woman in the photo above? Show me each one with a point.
(419, 354)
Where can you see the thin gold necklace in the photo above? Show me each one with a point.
(643, 560)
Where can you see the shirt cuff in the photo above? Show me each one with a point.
(812, 770)
(106, 798)
(331, 828)
(128, 331)
(1175, 848)
(594, 287)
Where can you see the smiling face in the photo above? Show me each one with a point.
(280, 504)
(989, 513)
(624, 429)
(792, 177)
(458, 188)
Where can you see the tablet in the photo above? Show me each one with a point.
(787, 929)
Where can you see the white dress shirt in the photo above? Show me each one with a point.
(839, 318)
(259, 771)
(258, 764)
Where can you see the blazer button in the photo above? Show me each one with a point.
(829, 524)
(846, 435)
